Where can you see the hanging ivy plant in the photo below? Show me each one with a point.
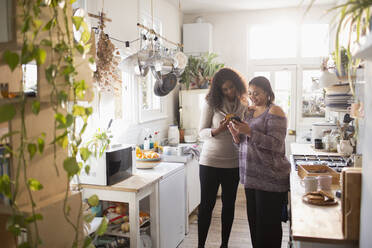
(47, 38)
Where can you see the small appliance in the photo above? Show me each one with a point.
(115, 165)
(318, 129)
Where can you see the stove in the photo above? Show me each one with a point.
(335, 162)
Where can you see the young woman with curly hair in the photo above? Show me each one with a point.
(219, 161)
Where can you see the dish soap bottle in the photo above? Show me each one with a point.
(146, 144)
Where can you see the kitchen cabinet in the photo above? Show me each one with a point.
(172, 208)
(193, 185)
(171, 201)
(197, 38)
(192, 182)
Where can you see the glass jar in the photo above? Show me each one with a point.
(173, 135)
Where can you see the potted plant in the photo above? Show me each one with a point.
(353, 21)
(200, 70)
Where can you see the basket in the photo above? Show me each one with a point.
(318, 170)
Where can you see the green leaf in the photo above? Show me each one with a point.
(69, 120)
(46, 42)
(71, 166)
(7, 112)
(102, 227)
(41, 144)
(78, 110)
(85, 36)
(89, 217)
(80, 88)
(77, 20)
(50, 73)
(87, 242)
(93, 200)
(34, 184)
(88, 111)
(25, 245)
(62, 96)
(91, 60)
(12, 59)
(61, 119)
(87, 169)
(37, 23)
(84, 153)
(80, 48)
(5, 186)
(34, 218)
(26, 24)
(49, 24)
(35, 107)
(40, 56)
(32, 148)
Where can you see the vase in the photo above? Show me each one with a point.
(345, 147)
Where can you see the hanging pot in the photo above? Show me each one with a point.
(165, 85)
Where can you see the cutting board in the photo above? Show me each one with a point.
(351, 191)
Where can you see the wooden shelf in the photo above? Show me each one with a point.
(115, 230)
(10, 100)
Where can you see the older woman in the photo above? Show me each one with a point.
(264, 168)
(219, 161)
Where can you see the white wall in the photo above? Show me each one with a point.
(366, 202)
(230, 37)
(124, 15)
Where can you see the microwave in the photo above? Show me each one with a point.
(114, 166)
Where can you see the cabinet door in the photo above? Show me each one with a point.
(193, 185)
(172, 208)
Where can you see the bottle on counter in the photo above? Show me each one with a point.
(151, 141)
(146, 144)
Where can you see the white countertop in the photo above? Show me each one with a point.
(163, 170)
(307, 149)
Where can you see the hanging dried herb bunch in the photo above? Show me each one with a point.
(107, 74)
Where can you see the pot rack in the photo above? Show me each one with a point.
(127, 42)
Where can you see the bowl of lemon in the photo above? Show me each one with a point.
(147, 159)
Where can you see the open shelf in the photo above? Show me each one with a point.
(115, 230)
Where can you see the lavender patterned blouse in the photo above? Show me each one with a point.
(262, 161)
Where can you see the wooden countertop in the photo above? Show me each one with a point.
(132, 184)
(307, 149)
(310, 222)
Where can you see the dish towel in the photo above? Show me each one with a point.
(194, 150)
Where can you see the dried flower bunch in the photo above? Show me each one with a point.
(107, 75)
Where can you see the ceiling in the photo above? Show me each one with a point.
(203, 6)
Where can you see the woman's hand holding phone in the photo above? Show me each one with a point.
(240, 127)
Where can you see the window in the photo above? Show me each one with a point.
(312, 97)
(274, 41)
(314, 40)
(151, 107)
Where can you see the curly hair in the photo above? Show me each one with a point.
(215, 96)
(264, 84)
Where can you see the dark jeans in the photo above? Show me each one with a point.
(264, 210)
(210, 179)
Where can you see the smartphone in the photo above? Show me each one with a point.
(237, 118)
